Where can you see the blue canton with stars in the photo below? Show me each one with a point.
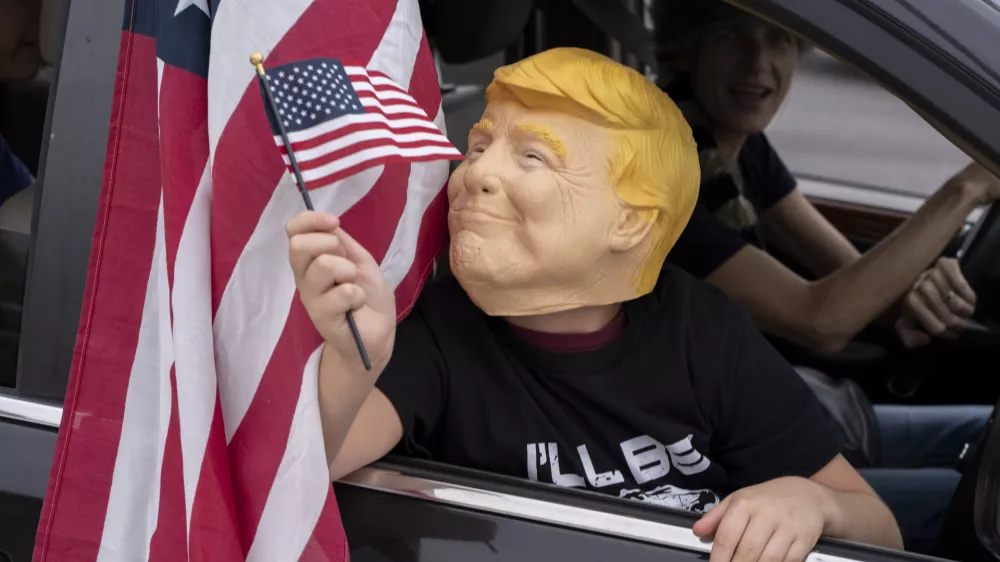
(182, 30)
(311, 92)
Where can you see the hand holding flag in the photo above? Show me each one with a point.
(345, 120)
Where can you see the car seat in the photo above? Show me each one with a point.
(468, 31)
(849, 407)
(970, 530)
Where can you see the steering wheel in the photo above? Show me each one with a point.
(979, 258)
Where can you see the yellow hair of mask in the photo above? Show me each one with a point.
(653, 163)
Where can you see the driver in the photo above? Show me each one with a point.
(730, 72)
(20, 59)
(562, 350)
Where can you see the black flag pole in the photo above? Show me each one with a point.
(257, 60)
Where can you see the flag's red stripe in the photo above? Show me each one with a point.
(256, 448)
(430, 242)
(169, 541)
(323, 546)
(324, 138)
(354, 148)
(214, 517)
(381, 86)
(386, 102)
(183, 150)
(373, 218)
(247, 169)
(121, 253)
(387, 160)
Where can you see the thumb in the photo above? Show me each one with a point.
(911, 335)
(709, 523)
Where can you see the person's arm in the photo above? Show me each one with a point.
(334, 274)
(853, 511)
(825, 314)
(347, 399)
(782, 519)
(781, 450)
(795, 226)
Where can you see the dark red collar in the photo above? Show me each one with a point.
(569, 343)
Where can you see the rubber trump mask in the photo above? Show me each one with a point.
(579, 178)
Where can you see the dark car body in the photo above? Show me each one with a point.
(940, 56)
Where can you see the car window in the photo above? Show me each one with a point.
(838, 125)
(24, 90)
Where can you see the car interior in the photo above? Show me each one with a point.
(24, 107)
(872, 369)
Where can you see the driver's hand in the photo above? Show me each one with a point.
(939, 305)
(976, 180)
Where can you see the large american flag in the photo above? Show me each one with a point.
(191, 428)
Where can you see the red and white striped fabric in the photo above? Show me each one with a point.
(342, 120)
(191, 428)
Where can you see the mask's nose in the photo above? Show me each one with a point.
(484, 173)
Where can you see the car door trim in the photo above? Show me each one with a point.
(590, 520)
(867, 196)
(29, 411)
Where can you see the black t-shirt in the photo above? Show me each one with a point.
(706, 242)
(688, 404)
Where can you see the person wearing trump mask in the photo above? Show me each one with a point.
(559, 352)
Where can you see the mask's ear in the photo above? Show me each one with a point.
(632, 227)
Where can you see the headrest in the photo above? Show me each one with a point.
(50, 29)
(467, 30)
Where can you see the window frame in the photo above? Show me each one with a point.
(950, 96)
(71, 172)
(587, 511)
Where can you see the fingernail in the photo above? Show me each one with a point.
(332, 221)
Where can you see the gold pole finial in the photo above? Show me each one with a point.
(257, 60)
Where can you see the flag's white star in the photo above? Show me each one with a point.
(185, 4)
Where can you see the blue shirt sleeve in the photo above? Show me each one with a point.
(14, 175)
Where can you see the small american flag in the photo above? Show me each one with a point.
(341, 120)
